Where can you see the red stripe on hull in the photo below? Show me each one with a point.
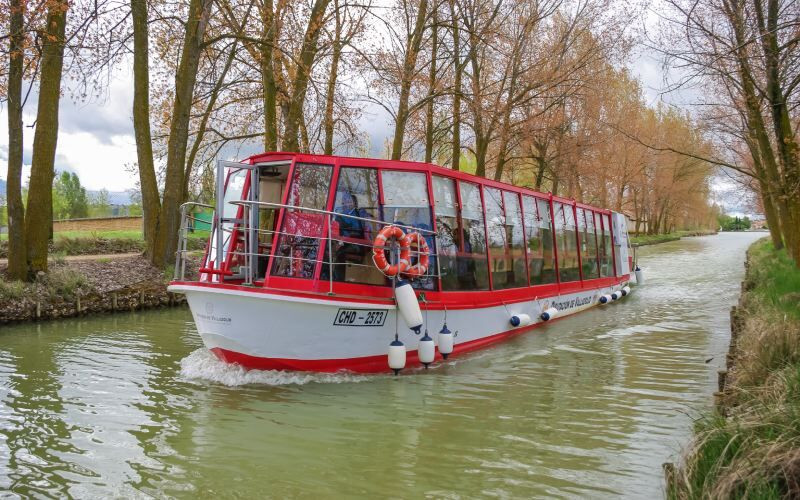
(366, 364)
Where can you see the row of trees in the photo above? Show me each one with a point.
(734, 223)
(745, 56)
(527, 91)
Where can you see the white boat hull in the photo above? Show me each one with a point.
(263, 330)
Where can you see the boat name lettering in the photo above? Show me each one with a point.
(211, 317)
(359, 317)
(569, 304)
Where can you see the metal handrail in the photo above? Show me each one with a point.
(180, 263)
(326, 212)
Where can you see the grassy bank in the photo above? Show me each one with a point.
(652, 239)
(750, 446)
(103, 242)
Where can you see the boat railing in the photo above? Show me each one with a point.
(247, 226)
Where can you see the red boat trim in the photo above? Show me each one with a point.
(366, 364)
(436, 300)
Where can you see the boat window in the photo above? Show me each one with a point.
(301, 230)
(271, 183)
(518, 274)
(234, 191)
(566, 243)
(588, 244)
(540, 240)
(406, 202)
(448, 233)
(356, 196)
(471, 262)
(606, 264)
(499, 258)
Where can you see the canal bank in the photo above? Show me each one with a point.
(749, 446)
(79, 286)
(642, 240)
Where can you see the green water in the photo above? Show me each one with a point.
(590, 406)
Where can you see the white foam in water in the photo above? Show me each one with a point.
(203, 365)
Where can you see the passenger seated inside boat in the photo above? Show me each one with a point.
(356, 196)
(350, 228)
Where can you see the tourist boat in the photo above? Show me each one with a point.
(327, 263)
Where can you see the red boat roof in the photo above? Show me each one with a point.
(409, 165)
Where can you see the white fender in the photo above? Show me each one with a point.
(549, 313)
(616, 295)
(605, 299)
(639, 276)
(408, 305)
(520, 320)
(626, 290)
(397, 356)
(426, 350)
(445, 338)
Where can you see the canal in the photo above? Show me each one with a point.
(131, 405)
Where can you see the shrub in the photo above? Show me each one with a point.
(11, 290)
(65, 283)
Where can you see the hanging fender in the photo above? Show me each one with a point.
(379, 256)
(421, 267)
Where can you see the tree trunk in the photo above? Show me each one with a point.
(38, 218)
(431, 89)
(268, 77)
(409, 64)
(330, 93)
(457, 68)
(303, 72)
(17, 262)
(185, 79)
(151, 204)
(782, 125)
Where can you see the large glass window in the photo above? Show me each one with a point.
(356, 199)
(566, 243)
(406, 202)
(588, 244)
(298, 246)
(471, 262)
(541, 263)
(606, 262)
(518, 274)
(448, 233)
(499, 257)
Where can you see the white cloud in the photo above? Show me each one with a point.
(95, 139)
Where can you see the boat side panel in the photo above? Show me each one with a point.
(305, 335)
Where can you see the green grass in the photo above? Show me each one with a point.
(774, 277)
(105, 242)
(753, 450)
(111, 234)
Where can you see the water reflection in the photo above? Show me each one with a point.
(129, 405)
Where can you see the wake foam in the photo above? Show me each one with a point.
(203, 365)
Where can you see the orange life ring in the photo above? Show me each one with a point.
(421, 267)
(379, 247)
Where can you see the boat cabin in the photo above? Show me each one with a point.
(304, 223)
